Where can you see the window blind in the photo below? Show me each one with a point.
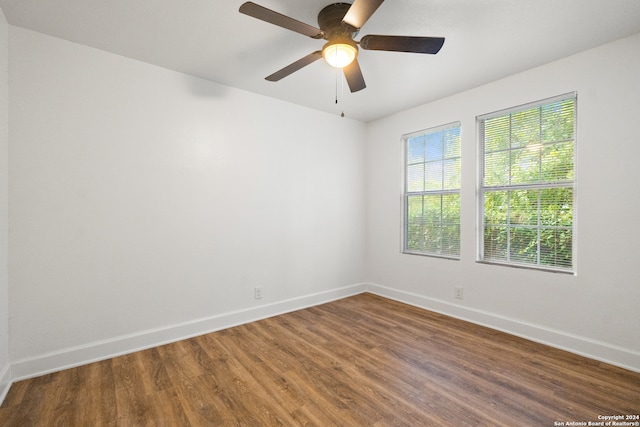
(527, 186)
(432, 191)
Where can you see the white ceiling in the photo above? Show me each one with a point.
(485, 40)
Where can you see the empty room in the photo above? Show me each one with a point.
(373, 213)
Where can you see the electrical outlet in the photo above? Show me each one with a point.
(458, 292)
(258, 292)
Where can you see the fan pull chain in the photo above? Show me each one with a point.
(341, 88)
(337, 71)
(342, 93)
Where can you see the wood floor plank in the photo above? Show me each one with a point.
(132, 403)
(359, 361)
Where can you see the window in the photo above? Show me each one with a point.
(527, 186)
(432, 192)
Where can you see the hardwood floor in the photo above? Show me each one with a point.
(360, 361)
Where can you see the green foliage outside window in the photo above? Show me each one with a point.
(528, 186)
(432, 198)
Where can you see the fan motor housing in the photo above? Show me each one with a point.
(330, 21)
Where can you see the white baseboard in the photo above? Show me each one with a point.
(601, 351)
(101, 350)
(5, 382)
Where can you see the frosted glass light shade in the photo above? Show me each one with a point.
(339, 55)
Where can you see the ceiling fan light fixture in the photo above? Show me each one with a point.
(338, 24)
(339, 54)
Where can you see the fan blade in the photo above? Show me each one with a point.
(275, 18)
(292, 68)
(402, 43)
(360, 12)
(354, 76)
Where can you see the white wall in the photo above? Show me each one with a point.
(143, 199)
(4, 227)
(595, 312)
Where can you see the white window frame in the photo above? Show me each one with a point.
(481, 188)
(407, 194)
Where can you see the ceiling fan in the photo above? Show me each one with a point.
(339, 23)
